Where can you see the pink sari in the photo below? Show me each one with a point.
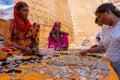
(62, 44)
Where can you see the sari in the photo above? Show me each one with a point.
(22, 35)
(62, 43)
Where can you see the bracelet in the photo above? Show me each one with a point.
(102, 49)
(86, 51)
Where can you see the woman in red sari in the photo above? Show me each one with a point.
(21, 35)
(58, 39)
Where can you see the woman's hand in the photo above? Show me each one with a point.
(22, 48)
(83, 52)
(35, 50)
(58, 49)
(28, 50)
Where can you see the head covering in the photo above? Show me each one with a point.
(18, 20)
(61, 43)
(53, 29)
(55, 25)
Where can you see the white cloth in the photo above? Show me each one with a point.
(6, 10)
(111, 42)
(105, 30)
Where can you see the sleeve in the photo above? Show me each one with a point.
(102, 48)
(113, 50)
(100, 43)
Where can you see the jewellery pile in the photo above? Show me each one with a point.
(63, 66)
(74, 67)
(15, 67)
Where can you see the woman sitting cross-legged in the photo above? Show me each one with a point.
(20, 35)
(58, 39)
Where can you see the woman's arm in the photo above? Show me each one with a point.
(94, 50)
(22, 48)
(62, 32)
(91, 50)
(93, 46)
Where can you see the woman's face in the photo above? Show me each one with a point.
(58, 27)
(104, 18)
(23, 12)
(100, 23)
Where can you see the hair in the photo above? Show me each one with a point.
(103, 7)
(59, 22)
(96, 20)
(98, 39)
(23, 4)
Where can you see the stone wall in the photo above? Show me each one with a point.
(115, 2)
(46, 12)
(83, 19)
(77, 17)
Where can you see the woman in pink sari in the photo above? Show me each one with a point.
(58, 39)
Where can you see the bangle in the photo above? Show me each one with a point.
(87, 50)
(102, 49)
